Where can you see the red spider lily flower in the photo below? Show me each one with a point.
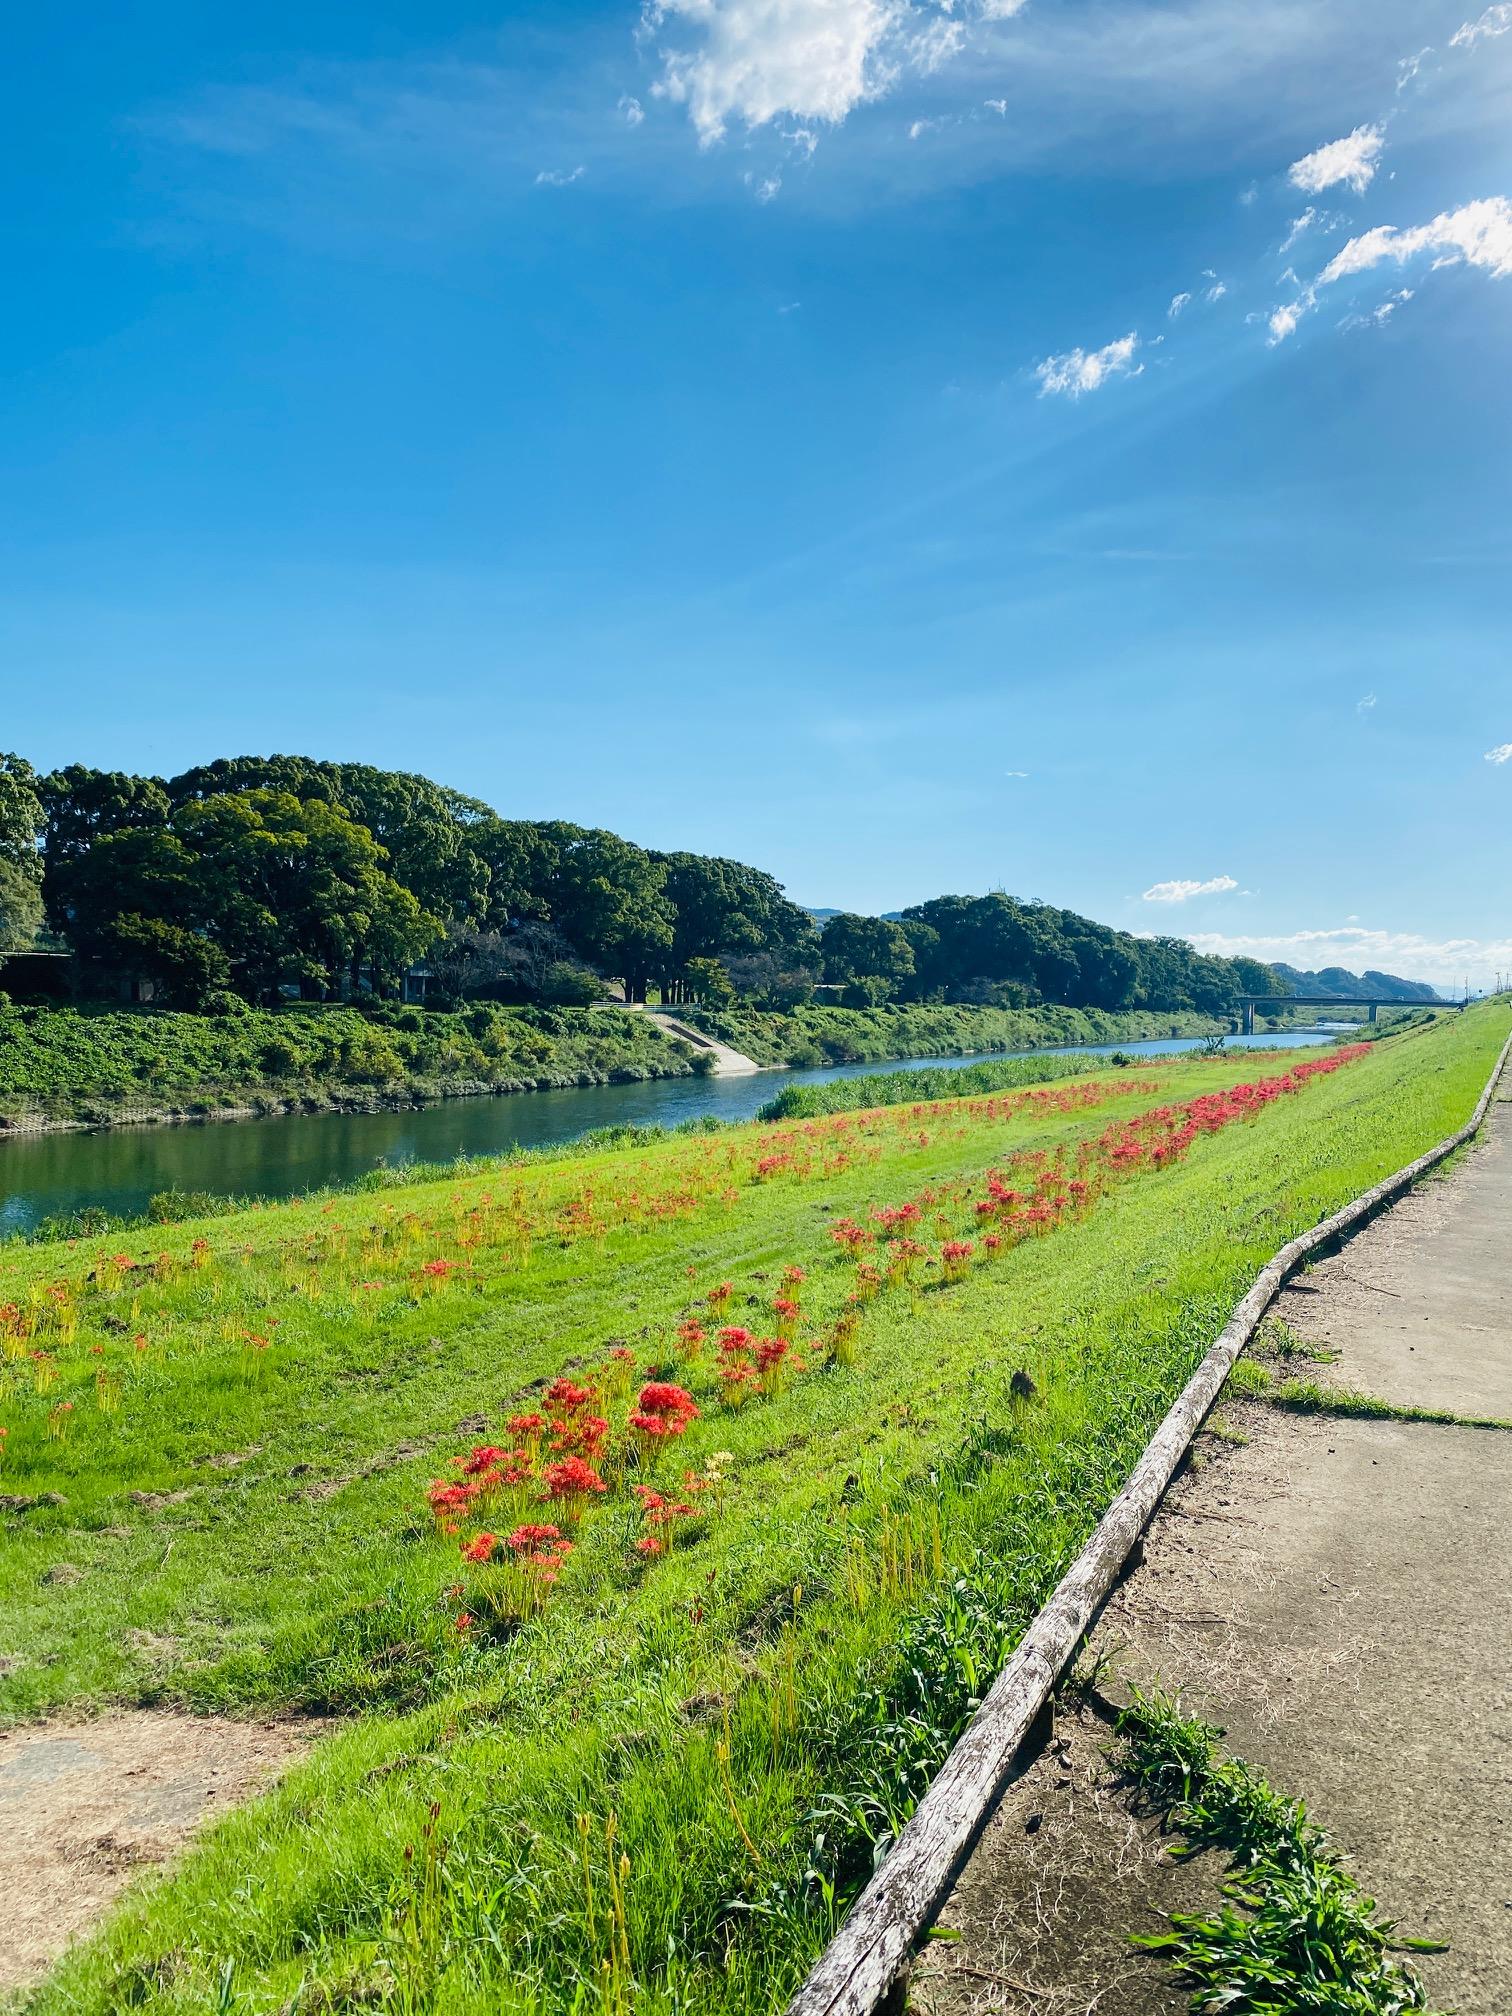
(465, 1621)
(531, 1539)
(565, 1397)
(573, 1480)
(672, 1403)
(522, 1426)
(480, 1549)
(583, 1436)
(445, 1499)
(692, 1337)
(661, 1412)
(649, 1545)
(483, 1458)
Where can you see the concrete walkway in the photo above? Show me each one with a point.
(1337, 1594)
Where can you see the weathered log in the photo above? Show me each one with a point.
(856, 1971)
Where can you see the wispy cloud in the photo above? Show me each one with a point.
(1178, 302)
(631, 111)
(1077, 371)
(1477, 234)
(1365, 703)
(1352, 161)
(1025, 773)
(1183, 892)
(560, 178)
(1381, 314)
(1502, 753)
(1495, 21)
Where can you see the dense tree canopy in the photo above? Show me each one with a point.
(273, 875)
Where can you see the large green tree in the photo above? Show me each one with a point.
(858, 948)
(723, 908)
(609, 900)
(22, 823)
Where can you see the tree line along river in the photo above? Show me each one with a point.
(120, 1169)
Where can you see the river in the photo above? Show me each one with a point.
(119, 1169)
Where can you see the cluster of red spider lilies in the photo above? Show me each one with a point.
(589, 1440)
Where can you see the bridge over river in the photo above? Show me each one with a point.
(1248, 1003)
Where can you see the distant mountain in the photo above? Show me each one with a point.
(823, 916)
(1368, 986)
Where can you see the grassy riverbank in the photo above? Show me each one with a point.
(62, 1066)
(217, 1477)
(94, 1066)
(819, 1034)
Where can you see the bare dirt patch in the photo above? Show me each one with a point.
(85, 1805)
(1029, 1928)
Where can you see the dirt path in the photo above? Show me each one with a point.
(1337, 1594)
(85, 1806)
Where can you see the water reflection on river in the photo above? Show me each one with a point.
(121, 1168)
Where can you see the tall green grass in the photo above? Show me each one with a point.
(747, 1723)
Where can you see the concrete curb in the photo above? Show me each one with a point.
(857, 1970)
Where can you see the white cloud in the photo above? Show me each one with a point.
(1178, 302)
(1352, 160)
(560, 178)
(1444, 961)
(631, 110)
(757, 60)
(1495, 21)
(1025, 773)
(1078, 371)
(1217, 291)
(1479, 234)
(1378, 316)
(1364, 704)
(998, 105)
(1182, 892)
(1298, 227)
(1409, 67)
(1502, 753)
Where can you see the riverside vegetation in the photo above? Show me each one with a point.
(96, 1065)
(655, 1515)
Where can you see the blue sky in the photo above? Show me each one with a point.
(771, 427)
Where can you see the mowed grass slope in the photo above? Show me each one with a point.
(662, 1790)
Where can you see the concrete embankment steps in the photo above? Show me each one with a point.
(729, 1063)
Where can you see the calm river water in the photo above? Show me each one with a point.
(42, 1175)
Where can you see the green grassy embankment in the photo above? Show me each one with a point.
(820, 1034)
(96, 1065)
(241, 1508)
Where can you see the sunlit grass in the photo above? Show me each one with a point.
(751, 1710)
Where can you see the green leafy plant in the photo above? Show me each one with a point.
(1295, 1935)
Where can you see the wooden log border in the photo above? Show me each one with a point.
(857, 1970)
